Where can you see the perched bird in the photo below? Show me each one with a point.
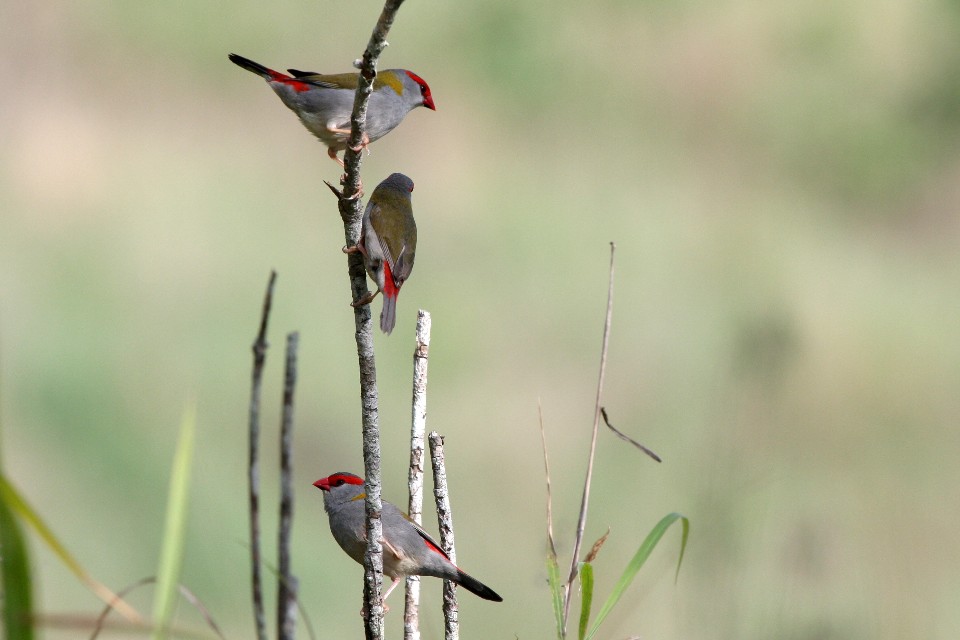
(324, 102)
(408, 550)
(388, 243)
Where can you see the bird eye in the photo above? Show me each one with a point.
(338, 483)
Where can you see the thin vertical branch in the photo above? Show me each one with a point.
(585, 501)
(368, 72)
(287, 583)
(445, 521)
(418, 426)
(350, 212)
(253, 464)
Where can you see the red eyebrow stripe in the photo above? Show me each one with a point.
(415, 77)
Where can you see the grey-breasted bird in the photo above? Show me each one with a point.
(408, 550)
(324, 102)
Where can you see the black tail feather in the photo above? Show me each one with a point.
(476, 587)
(249, 65)
(296, 73)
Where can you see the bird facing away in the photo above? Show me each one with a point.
(388, 243)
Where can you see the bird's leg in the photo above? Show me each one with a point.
(386, 607)
(367, 299)
(364, 144)
(357, 248)
(392, 586)
(343, 181)
(332, 152)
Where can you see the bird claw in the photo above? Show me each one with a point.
(332, 152)
(365, 300)
(358, 194)
(364, 144)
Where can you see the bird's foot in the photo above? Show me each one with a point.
(365, 300)
(359, 193)
(364, 144)
(333, 156)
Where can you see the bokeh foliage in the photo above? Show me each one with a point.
(780, 179)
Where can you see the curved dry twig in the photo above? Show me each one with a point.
(184, 591)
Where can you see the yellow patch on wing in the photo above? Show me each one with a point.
(391, 80)
(359, 496)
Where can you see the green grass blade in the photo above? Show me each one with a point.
(646, 548)
(171, 555)
(556, 591)
(15, 585)
(586, 597)
(18, 505)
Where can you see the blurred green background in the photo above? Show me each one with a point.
(782, 181)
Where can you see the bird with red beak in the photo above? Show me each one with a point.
(408, 550)
(324, 102)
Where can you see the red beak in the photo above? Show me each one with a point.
(323, 484)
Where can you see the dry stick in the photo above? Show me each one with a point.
(253, 463)
(626, 438)
(451, 622)
(350, 212)
(582, 522)
(418, 425)
(546, 467)
(287, 583)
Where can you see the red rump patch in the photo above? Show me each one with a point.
(435, 548)
(390, 288)
(297, 86)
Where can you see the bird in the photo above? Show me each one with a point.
(324, 103)
(388, 243)
(408, 550)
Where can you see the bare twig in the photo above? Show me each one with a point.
(546, 467)
(585, 500)
(358, 119)
(623, 436)
(418, 424)
(287, 583)
(350, 212)
(253, 463)
(445, 521)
